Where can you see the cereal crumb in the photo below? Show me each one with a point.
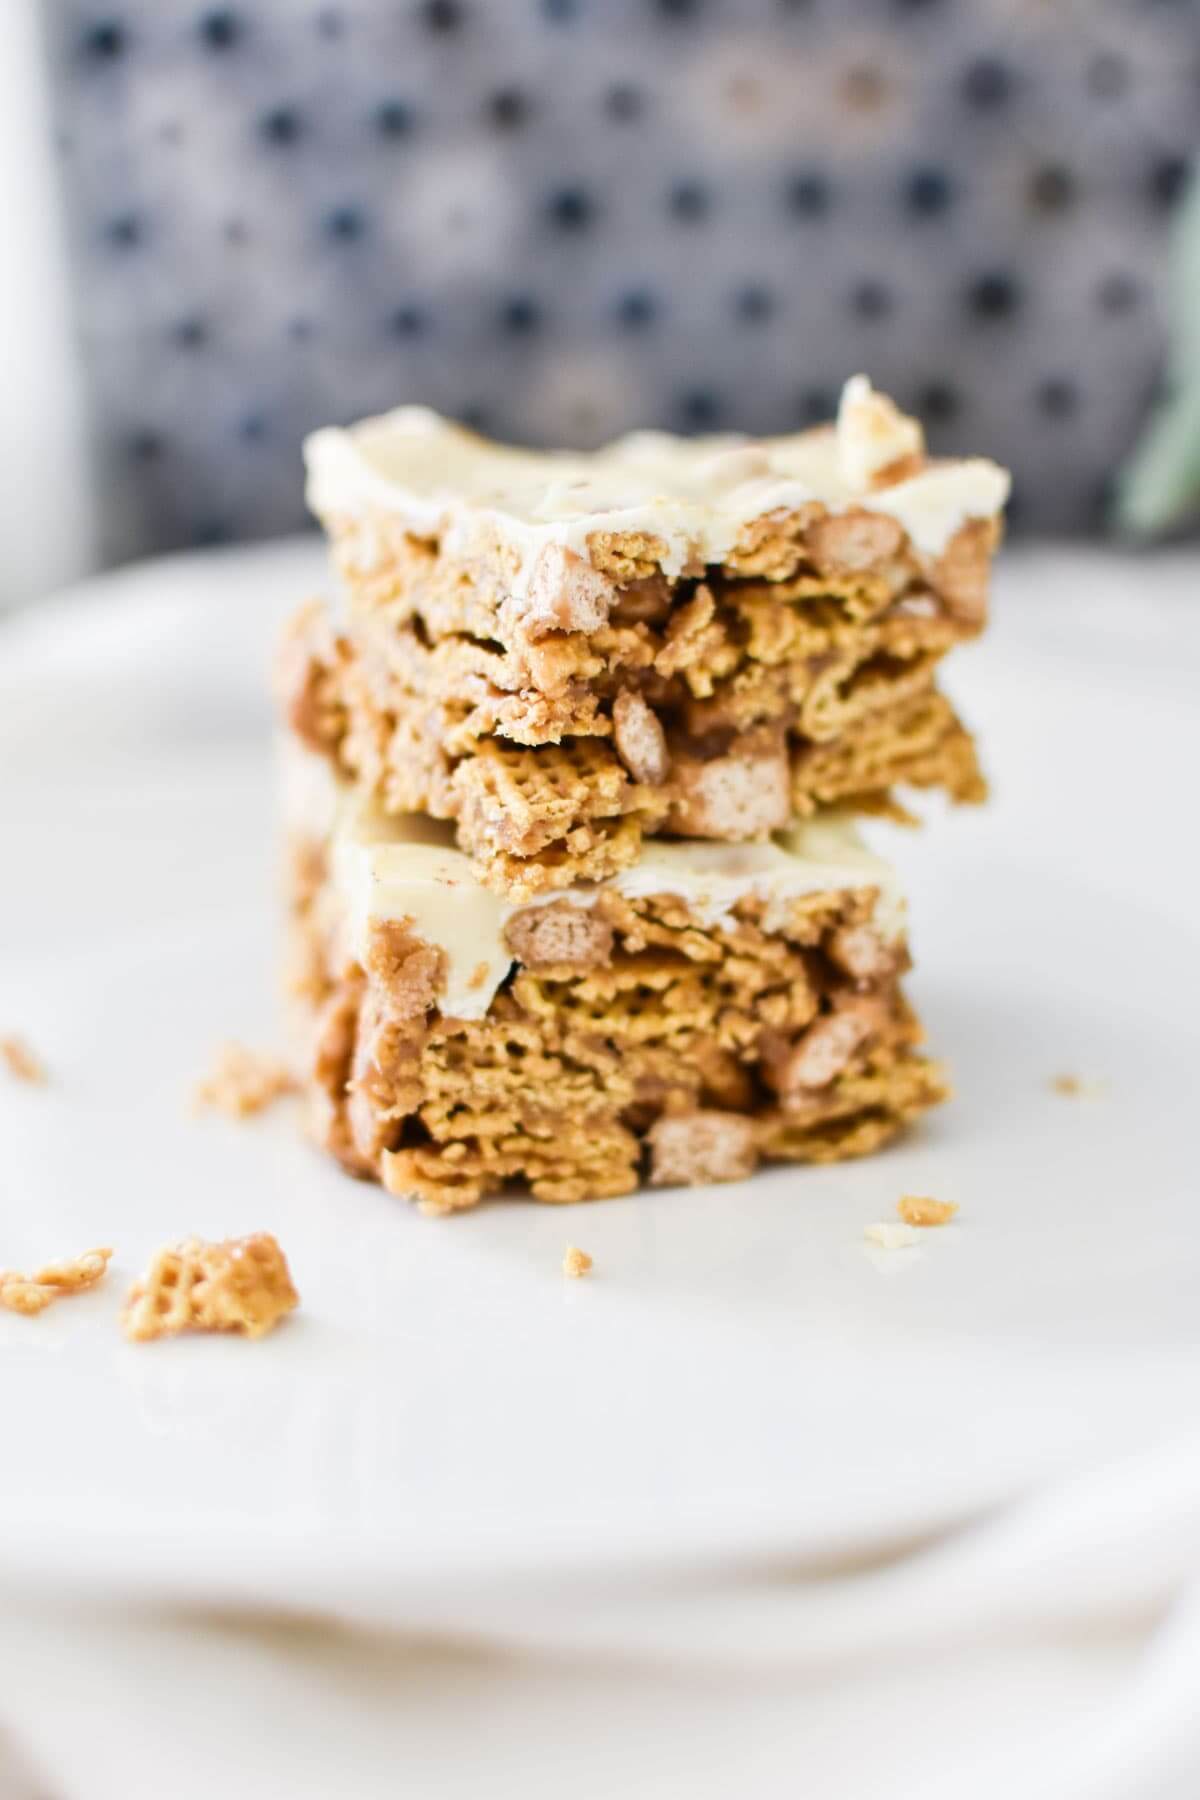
(576, 1262)
(243, 1082)
(888, 1235)
(923, 1209)
(478, 975)
(241, 1284)
(21, 1062)
(31, 1294)
(1074, 1087)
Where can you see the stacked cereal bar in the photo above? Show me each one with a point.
(708, 1006)
(576, 899)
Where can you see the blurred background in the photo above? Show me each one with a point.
(556, 219)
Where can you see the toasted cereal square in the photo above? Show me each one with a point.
(241, 1285)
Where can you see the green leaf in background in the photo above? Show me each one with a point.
(1160, 485)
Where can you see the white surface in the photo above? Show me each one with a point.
(744, 1389)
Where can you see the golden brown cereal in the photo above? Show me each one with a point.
(922, 1209)
(33, 1293)
(22, 1063)
(614, 701)
(243, 1082)
(576, 1262)
(242, 1285)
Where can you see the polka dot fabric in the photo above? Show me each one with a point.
(557, 219)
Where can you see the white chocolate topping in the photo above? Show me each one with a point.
(696, 494)
(410, 869)
(872, 433)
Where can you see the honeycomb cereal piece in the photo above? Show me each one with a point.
(772, 546)
(597, 1163)
(241, 1285)
(923, 1209)
(848, 698)
(31, 1294)
(626, 556)
(523, 803)
(857, 1115)
(697, 644)
(588, 853)
(922, 745)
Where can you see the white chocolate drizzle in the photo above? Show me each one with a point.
(696, 495)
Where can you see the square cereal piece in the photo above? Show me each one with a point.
(241, 1285)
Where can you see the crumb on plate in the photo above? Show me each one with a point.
(889, 1234)
(1074, 1087)
(31, 1294)
(243, 1081)
(576, 1262)
(923, 1209)
(241, 1284)
(21, 1061)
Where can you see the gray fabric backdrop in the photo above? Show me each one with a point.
(560, 218)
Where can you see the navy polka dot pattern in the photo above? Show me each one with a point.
(558, 219)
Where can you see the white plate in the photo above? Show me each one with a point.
(742, 1372)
